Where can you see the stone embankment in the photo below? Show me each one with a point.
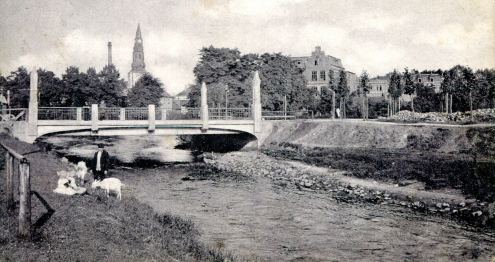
(337, 185)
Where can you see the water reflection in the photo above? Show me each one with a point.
(126, 150)
(145, 150)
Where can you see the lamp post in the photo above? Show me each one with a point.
(226, 100)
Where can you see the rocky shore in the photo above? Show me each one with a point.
(479, 115)
(336, 183)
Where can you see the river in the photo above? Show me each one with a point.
(257, 218)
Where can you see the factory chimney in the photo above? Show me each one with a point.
(109, 53)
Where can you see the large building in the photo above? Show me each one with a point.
(317, 68)
(138, 65)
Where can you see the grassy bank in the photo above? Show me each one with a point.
(92, 228)
(460, 171)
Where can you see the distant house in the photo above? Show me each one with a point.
(181, 98)
(317, 68)
(380, 84)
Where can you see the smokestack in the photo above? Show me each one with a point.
(109, 53)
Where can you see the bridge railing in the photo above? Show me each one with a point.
(57, 113)
(230, 113)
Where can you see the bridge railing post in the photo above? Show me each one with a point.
(122, 114)
(164, 114)
(94, 118)
(151, 118)
(79, 114)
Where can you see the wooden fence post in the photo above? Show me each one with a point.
(24, 198)
(9, 185)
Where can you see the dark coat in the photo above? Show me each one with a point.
(104, 161)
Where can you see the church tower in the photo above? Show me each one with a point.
(138, 66)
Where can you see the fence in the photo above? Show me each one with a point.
(24, 188)
(142, 113)
(286, 115)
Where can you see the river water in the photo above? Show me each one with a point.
(257, 218)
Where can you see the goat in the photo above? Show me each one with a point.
(81, 170)
(109, 184)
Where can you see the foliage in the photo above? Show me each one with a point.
(426, 99)
(228, 77)
(75, 89)
(111, 86)
(409, 87)
(18, 85)
(222, 68)
(147, 90)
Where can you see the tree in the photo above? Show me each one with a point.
(365, 87)
(395, 90)
(426, 99)
(72, 82)
(281, 80)
(49, 88)
(222, 68)
(409, 87)
(147, 90)
(486, 86)
(469, 84)
(342, 91)
(228, 76)
(111, 89)
(18, 85)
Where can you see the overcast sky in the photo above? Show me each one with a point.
(376, 36)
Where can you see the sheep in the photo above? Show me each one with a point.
(109, 184)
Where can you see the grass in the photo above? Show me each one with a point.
(437, 170)
(94, 228)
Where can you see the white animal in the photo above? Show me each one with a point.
(81, 170)
(110, 184)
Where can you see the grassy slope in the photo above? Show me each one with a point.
(91, 228)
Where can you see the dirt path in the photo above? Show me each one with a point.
(257, 218)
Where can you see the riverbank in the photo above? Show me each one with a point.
(92, 228)
(338, 184)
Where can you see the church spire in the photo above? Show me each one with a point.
(138, 53)
(138, 33)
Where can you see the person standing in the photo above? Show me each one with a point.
(100, 163)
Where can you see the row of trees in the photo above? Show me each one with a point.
(462, 89)
(76, 89)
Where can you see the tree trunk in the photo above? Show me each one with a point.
(333, 104)
(451, 101)
(412, 103)
(388, 107)
(471, 101)
(447, 103)
(364, 110)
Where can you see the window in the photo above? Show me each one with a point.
(316, 62)
(431, 79)
(419, 80)
(380, 88)
(322, 75)
(314, 76)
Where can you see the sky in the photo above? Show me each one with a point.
(376, 36)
